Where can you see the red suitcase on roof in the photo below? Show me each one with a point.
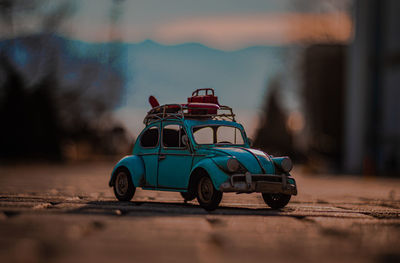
(208, 96)
(203, 104)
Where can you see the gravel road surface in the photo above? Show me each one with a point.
(67, 213)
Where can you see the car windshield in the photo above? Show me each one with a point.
(218, 134)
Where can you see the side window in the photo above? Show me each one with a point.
(172, 136)
(149, 138)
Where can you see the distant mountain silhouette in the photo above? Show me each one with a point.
(169, 71)
(173, 72)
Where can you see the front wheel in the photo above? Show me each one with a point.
(123, 186)
(276, 201)
(207, 196)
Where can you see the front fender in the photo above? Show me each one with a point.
(135, 166)
(217, 175)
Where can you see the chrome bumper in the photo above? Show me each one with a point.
(263, 183)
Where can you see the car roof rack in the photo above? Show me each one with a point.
(180, 112)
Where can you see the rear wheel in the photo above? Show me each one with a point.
(207, 196)
(276, 201)
(123, 186)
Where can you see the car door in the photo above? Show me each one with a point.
(175, 159)
(149, 151)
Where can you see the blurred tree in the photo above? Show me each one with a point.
(41, 113)
(272, 135)
(13, 100)
(31, 123)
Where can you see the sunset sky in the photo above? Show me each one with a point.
(221, 24)
(225, 25)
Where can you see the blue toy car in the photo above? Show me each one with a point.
(199, 150)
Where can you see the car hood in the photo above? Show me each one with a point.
(255, 161)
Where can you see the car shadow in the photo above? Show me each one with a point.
(154, 208)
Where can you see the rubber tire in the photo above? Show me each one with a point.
(216, 196)
(276, 201)
(187, 196)
(130, 192)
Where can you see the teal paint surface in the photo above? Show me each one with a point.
(169, 168)
(216, 174)
(149, 156)
(135, 165)
(174, 168)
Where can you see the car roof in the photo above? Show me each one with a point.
(192, 123)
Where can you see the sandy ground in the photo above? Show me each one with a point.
(67, 213)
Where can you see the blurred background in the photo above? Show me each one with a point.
(317, 80)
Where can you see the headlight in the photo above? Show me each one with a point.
(232, 165)
(286, 164)
(283, 163)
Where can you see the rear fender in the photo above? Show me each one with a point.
(135, 166)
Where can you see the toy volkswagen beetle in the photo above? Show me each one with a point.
(199, 150)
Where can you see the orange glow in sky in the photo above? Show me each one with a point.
(230, 32)
(271, 29)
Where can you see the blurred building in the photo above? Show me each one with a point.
(323, 88)
(372, 124)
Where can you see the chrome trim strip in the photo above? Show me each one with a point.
(164, 153)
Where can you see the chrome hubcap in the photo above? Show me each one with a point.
(206, 189)
(121, 183)
(275, 197)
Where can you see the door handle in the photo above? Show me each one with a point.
(162, 157)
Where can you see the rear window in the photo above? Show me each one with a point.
(150, 137)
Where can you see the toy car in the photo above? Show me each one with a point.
(199, 150)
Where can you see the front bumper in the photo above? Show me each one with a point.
(263, 183)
